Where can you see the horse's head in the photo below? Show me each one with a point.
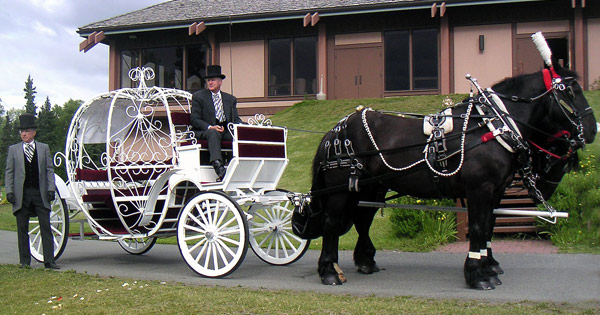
(568, 107)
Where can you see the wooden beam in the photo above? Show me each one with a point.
(200, 27)
(314, 19)
(443, 9)
(86, 42)
(433, 10)
(99, 37)
(306, 19)
(192, 28)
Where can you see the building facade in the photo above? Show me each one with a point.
(275, 54)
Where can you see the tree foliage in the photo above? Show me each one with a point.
(30, 96)
(52, 125)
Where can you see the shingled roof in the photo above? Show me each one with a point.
(180, 12)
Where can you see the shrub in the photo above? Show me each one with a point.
(577, 194)
(432, 227)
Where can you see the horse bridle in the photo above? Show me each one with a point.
(564, 86)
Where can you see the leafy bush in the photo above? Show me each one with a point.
(579, 195)
(432, 228)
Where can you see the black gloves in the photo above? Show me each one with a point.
(51, 196)
(10, 197)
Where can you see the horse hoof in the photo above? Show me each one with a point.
(497, 269)
(483, 285)
(364, 269)
(331, 280)
(495, 280)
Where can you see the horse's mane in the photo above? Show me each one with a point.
(520, 82)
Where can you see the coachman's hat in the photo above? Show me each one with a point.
(27, 121)
(214, 71)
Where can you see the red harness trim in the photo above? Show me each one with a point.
(549, 74)
(487, 137)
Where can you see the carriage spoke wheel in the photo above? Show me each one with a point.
(271, 236)
(59, 224)
(137, 245)
(212, 234)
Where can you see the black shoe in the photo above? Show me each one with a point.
(219, 169)
(51, 266)
(24, 266)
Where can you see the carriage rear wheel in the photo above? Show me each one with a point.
(212, 234)
(271, 236)
(59, 223)
(137, 245)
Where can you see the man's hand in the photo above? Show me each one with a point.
(217, 128)
(51, 196)
(10, 197)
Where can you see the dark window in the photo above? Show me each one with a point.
(167, 64)
(279, 67)
(129, 59)
(305, 65)
(397, 61)
(411, 60)
(196, 67)
(425, 59)
(303, 69)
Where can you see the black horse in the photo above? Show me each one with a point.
(369, 153)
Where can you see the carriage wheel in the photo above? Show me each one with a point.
(271, 236)
(137, 245)
(59, 223)
(212, 234)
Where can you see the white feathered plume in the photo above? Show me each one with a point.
(542, 47)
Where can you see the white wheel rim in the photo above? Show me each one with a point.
(136, 245)
(57, 224)
(271, 234)
(211, 234)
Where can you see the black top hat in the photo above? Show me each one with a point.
(214, 71)
(27, 121)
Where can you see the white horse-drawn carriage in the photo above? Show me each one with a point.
(136, 172)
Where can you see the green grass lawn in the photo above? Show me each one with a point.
(37, 291)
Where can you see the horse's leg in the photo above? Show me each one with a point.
(334, 225)
(364, 252)
(490, 265)
(479, 210)
(488, 262)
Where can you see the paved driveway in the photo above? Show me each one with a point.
(533, 277)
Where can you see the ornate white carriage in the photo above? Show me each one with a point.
(136, 172)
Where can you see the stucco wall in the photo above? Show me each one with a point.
(593, 52)
(248, 68)
(492, 64)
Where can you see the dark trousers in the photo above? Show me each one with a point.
(34, 206)
(214, 139)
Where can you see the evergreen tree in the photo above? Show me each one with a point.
(8, 136)
(46, 127)
(30, 96)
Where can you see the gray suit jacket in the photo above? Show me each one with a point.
(15, 172)
(203, 110)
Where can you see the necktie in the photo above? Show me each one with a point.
(219, 114)
(29, 151)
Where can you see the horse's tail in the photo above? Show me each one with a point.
(307, 220)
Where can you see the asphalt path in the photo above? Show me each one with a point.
(558, 278)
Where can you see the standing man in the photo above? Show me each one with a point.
(30, 188)
(212, 110)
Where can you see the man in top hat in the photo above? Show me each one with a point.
(212, 110)
(30, 188)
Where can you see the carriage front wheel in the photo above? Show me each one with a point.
(212, 234)
(59, 223)
(271, 236)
